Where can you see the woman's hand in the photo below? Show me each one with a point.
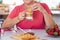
(21, 15)
(37, 6)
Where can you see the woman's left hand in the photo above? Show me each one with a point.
(37, 6)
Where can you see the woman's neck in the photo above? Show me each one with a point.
(26, 5)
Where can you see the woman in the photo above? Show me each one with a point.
(41, 16)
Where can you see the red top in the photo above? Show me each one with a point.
(38, 18)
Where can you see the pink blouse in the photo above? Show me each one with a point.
(38, 18)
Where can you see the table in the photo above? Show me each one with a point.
(39, 32)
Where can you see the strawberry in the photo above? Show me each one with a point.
(55, 33)
(0, 30)
(50, 31)
(59, 32)
(56, 28)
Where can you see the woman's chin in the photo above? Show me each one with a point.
(27, 2)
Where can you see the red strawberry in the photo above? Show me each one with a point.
(0, 30)
(59, 32)
(50, 32)
(56, 28)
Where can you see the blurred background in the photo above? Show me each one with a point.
(6, 6)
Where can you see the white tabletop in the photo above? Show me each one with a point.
(40, 33)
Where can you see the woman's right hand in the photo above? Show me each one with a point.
(21, 15)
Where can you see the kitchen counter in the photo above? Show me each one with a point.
(40, 33)
(4, 14)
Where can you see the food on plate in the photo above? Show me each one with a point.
(25, 36)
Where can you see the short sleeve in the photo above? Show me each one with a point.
(46, 8)
(14, 12)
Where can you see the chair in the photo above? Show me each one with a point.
(1, 22)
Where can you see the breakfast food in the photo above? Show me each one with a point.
(53, 31)
(29, 9)
(29, 13)
(25, 36)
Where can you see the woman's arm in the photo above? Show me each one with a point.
(48, 20)
(9, 23)
(51, 26)
(46, 13)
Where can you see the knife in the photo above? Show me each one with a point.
(22, 30)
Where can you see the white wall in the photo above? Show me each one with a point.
(11, 7)
(50, 3)
(18, 2)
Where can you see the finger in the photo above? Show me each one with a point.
(22, 14)
(21, 18)
(35, 10)
(34, 4)
(35, 7)
(7, 28)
